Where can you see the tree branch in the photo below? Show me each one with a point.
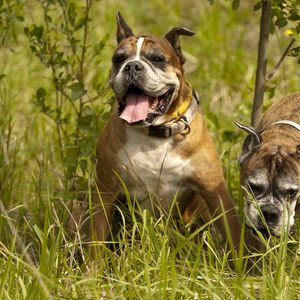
(284, 54)
(260, 80)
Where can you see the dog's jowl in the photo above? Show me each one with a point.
(156, 141)
(270, 168)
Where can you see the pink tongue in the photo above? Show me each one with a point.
(136, 109)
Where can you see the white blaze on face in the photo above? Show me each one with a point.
(139, 45)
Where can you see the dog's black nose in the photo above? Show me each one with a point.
(271, 214)
(134, 67)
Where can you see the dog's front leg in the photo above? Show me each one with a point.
(219, 203)
(102, 214)
(93, 221)
(196, 207)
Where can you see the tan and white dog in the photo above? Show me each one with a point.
(156, 140)
(270, 168)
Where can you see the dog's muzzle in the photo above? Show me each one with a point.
(268, 219)
(142, 99)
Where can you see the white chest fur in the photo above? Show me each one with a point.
(152, 173)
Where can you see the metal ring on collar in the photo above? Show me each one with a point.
(183, 119)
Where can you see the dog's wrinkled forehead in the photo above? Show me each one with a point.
(154, 50)
(275, 168)
(275, 158)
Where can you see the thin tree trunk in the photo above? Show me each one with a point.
(260, 80)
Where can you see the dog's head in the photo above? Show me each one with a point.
(147, 75)
(270, 175)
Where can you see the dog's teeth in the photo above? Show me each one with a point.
(154, 104)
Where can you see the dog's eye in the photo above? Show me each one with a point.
(119, 58)
(157, 58)
(290, 193)
(255, 188)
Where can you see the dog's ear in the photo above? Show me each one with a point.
(123, 30)
(173, 37)
(251, 143)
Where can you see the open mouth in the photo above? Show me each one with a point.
(138, 107)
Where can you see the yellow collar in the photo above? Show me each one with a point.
(184, 105)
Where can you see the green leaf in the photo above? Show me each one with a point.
(294, 52)
(26, 30)
(37, 31)
(71, 155)
(281, 22)
(77, 91)
(83, 165)
(270, 90)
(272, 26)
(20, 18)
(257, 6)
(100, 46)
(84, 122)
(80, 23)
(294, 17)
(87, 110)
(40, 93)
(229, 135)
(235, 4)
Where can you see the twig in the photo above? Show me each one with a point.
(69, 33)
(260, 80)
(58, 101)
(88, 6)
(284, 54)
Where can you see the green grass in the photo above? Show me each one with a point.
(147, 258)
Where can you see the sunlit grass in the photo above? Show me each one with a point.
(147, 257)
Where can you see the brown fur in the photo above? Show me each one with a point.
(277, 154)
(279, 142)
(207, 179)
(207, 190)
